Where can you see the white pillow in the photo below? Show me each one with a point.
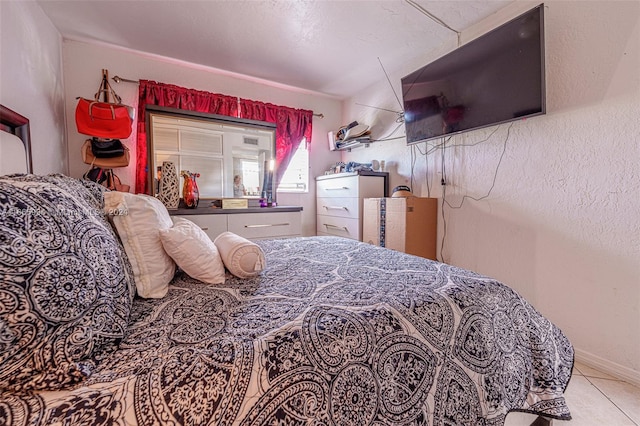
(242, 258)
(193, 251)
(138, 219)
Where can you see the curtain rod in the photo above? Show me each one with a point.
(119, 79)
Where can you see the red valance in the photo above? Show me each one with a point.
(292, 125)
(152, 93)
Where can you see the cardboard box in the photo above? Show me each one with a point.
(406, 224)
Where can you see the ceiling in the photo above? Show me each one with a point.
(326, 46)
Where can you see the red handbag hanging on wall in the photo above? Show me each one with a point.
(103, 119)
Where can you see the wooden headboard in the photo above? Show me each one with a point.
(15, 124)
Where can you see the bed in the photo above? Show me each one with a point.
(331, 332)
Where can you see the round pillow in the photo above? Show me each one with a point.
(241, 257)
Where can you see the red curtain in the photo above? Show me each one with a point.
(292, 125)
(153, 93)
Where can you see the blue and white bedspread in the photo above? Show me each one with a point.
(333, 332)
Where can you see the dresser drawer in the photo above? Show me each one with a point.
(339, 207)
(265, 225)
(212, 224)
(338, 187)
(338, 226)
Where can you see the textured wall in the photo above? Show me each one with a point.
(562, 224)
(31, 80)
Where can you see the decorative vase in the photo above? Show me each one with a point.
(190, 192)
(168, 188)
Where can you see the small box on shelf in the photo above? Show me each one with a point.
(235, 203)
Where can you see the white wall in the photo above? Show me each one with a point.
(83, 64)
(562, 224)
(31, 80)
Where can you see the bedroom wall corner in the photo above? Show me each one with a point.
(31, 80)
(561, 226)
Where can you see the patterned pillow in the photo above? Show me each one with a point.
(66, 285)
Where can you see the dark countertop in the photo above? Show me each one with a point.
(203, 208)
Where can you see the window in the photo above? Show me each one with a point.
(296, 177)
(251, 178)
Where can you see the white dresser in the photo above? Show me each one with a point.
(339, 199)
(252, 223)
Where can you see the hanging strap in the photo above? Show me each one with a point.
(106, 90)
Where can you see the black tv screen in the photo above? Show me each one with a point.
(495, 78)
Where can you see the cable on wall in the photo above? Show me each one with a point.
(414, 158)
(434, 18)
(495, 175)
(444, 225)
(443, 164)
(464, 197)
(426, 171)
(429, 149)
(443, 182)
(388, 137)
(399, 114)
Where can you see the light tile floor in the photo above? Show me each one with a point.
(594, 399)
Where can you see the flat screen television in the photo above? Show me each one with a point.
(495, 78)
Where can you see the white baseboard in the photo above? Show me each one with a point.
(619, 371)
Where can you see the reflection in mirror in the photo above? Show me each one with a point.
(233, 156)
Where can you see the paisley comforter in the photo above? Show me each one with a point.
(333, 332)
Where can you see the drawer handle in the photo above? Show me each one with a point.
(205, 228)
(336, 208)
(267, 225)
(337, 188)
(342, 228)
